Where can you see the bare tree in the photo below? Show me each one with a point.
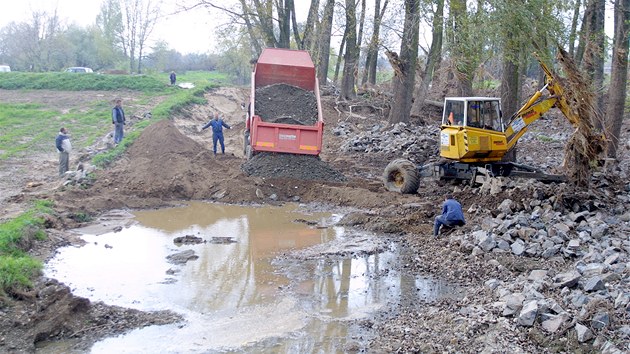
(309, 29)
(574, 22)
(594, 51)
(434, 58)
(351, 52)
(323, 52)
(371, 58)
(149, 15)
(619, 76)
(405, 65)
(139, 19)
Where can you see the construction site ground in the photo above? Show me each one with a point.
(172, 162)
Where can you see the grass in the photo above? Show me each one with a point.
(17, 269)
(27, 129)
(31, 128)
(81, 82)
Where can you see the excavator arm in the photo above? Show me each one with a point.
(536, 107)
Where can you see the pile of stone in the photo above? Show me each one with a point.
(590, 296)
(401, 139)
(79, 176)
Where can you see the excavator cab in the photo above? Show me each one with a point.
(472, 129)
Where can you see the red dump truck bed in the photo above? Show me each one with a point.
(267, 131)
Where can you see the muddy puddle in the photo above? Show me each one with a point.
(233, 295)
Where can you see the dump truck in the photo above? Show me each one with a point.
(475, 139)
(284, 113)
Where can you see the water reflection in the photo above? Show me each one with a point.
(232, 296)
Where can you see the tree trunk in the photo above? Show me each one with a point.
(460, 41)
(309, 29)
(599, 56)
(342, 46)
(350, 56)
(619, 76)
(253, 38)
(574, 22)
(284, 23)
(265, 22)
(296, 32)
(433, 59)
(509, 88)
(323, 52)
(360, 35)
(587, 19)
(371, 58)
(405, 74)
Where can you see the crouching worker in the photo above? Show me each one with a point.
(452, 215)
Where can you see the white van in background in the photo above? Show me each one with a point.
(5, 68)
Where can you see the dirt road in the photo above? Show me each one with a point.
(172, 161)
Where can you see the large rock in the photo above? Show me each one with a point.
(594, 284)
(553, 323)
(487, 242)
(513, 304)
(601, 320)
(622, 300)
(528, 313)
(551, 251)
(182, 257)
(518, 247)
(569, 279)
(506, 206)
(583, 333)
(537, 275)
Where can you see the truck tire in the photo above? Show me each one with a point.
(401, 176)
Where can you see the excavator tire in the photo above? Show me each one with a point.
(401, 176)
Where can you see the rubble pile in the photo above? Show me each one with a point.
(590, 297)
(415, 143)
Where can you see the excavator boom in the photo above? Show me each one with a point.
(474, 139)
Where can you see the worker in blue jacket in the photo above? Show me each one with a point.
(217, 125)
(452, 215)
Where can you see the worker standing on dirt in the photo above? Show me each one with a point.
(217, 132)
(452, 215)
(118, 119)
(173, 78)
(64, 147)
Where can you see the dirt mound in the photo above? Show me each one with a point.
(302, 167)
(162, 165)
(282, 103)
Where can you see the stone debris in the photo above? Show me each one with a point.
(590, 292)
(182, 257)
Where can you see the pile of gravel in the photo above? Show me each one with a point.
(301, 167)
(282, 103)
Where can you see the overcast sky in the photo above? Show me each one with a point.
(189, 32)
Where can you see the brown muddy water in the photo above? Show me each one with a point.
(234, 296)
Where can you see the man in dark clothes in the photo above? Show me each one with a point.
(118, 120)
(173, 78)
(452, 215)
(64, 147)
(217, 132)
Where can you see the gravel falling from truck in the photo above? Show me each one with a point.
(282, 103)
(302, 167)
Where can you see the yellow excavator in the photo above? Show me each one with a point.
(474, 140)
